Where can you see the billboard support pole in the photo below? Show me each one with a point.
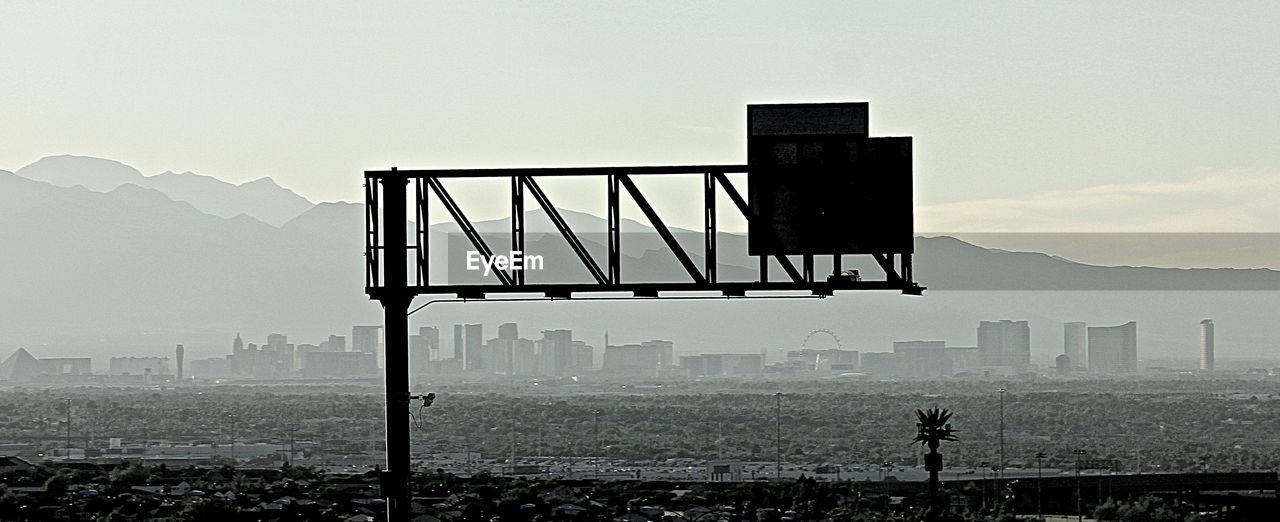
(395, 301)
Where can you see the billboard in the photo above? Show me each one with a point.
(817, 184)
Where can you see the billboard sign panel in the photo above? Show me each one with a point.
(817, 184)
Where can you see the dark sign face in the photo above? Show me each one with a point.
(818, 185)
(793, 119)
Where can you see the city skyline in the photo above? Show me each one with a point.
(1003, 348)
(639, 260)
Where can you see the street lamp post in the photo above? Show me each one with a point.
(1040, 456)
(293, 430)
(983, 467)
(1079, 497)
(542, 427)
(596, 413)
(1001, 463)
(67, 454)
(777, 417)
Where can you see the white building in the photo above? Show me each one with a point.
(1206, 345)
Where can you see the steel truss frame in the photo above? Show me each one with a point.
(606, 278)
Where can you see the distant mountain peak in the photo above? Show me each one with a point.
(96, 174)
(262, 199)
(265, 180)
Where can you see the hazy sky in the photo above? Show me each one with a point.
(1070, 111)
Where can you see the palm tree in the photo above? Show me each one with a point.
(932, 427)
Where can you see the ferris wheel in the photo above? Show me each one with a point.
(829, 333)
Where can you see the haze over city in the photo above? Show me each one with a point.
(1041, 238)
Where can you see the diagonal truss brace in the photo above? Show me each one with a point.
(662, 229)
(467, 228)
(565, 231)
(746, 211)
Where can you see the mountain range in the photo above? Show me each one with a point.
(100, 258)
(261, 199)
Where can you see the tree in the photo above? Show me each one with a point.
(56, 485)
(129, 475)
(932, 427)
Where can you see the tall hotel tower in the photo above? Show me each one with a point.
(1206, 345)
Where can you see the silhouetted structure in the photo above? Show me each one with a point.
(854, 195)
(933, 426)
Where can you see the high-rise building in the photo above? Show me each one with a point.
(924, 358)
(278, 353)
(472, 347)
(647, 358)
(432, 336)
(1004, 343)
(558, 345)
(963, 357)
(508, 331)
(212, 368)
(823, 360)
(139, 366)
(1062, 363)
(420, 351)
(584, 356)
(239, 359)
(665, 350)
(179, 352)
(339, 364)
(1113, 349)
(336, 343)
(365, 339)
(736, 364)
(368, 339)
(1206, 345)
(1075, 344)
(458, 352)
(499, 356)
(723, 364)
(524, 358)
(883, 363)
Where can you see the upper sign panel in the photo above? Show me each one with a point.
(817, 184)
(807, 118)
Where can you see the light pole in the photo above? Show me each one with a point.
(67, 454)
(542, 426)
(1079, 497)
(1001, 463)
(1040, 456)
(777, 435)
(293, 430)
(512, 461)
(596, 413)
(983, 466)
